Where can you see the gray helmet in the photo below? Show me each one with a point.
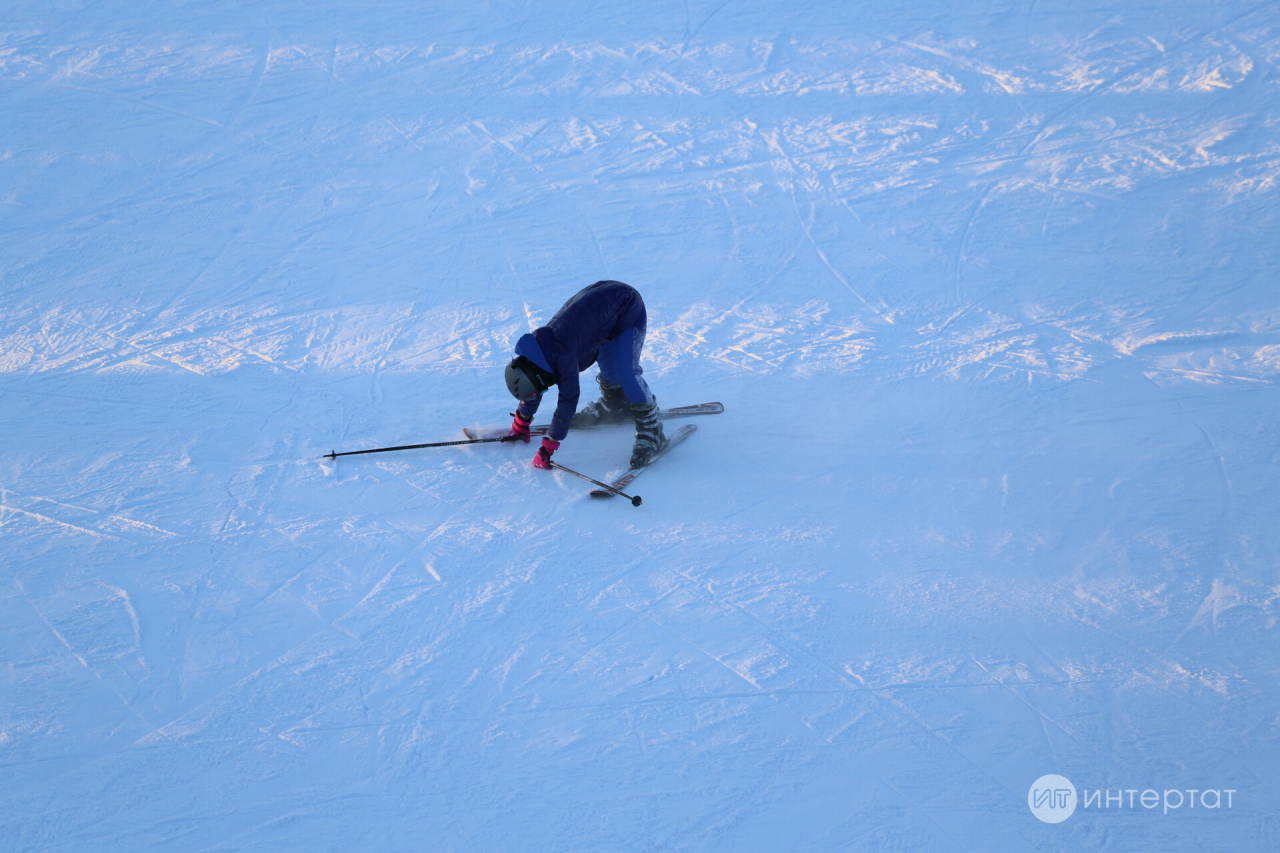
(525, 380)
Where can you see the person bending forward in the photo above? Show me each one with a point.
(605, 324)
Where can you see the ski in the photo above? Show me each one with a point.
(543, 429)
(625, 480)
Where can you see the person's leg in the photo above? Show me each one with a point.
(607, 361)
(612, 407)
(624, 367)
(619, 362)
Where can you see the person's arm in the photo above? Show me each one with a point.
(565, 408)
(567, 405)
(529, 408)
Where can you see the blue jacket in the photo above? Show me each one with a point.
(568, 344)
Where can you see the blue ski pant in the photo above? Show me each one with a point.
(619, 362)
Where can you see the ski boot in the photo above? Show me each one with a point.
(611, 408)
(650, 440)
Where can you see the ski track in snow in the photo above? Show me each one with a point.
(985, 289)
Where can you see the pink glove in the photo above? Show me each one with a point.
(543, 459)
(520, 427)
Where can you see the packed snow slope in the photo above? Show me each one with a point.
(988, 290)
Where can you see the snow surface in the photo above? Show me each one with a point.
(987, 288)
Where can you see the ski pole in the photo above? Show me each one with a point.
(334, 455)
(635, 501)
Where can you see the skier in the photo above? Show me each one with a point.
(605, 324)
